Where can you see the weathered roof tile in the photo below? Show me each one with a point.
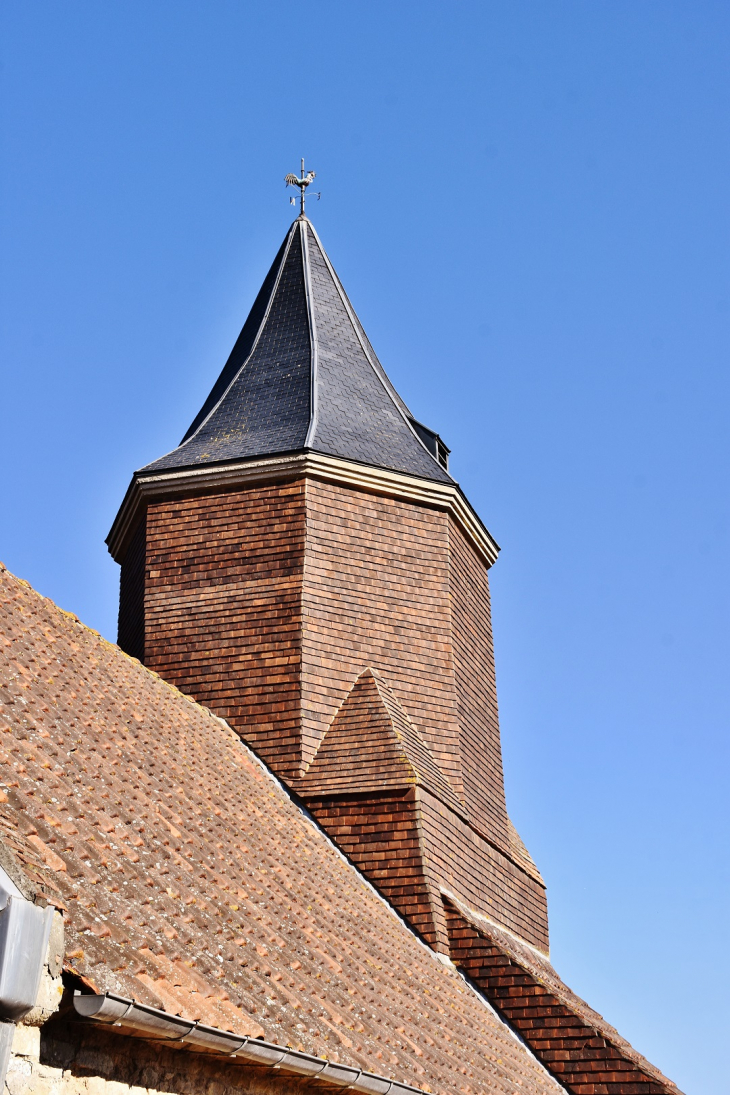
(194, 883)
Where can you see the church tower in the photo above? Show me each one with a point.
(305, 566)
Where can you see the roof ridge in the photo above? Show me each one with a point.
(341, 713)
(383, 687)
(387, 697)
(326, 772)
(314, 360)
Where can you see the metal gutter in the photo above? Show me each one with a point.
(146, 1022)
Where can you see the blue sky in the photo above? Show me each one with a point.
(527, 203)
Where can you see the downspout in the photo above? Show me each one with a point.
(147, 1022)
(24, 932)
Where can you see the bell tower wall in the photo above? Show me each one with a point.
(398, 587)
(266, 602)
(223, 595)
(476, 688)
(376, 593)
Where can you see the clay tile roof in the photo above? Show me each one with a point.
(193, 882)
(304, 377)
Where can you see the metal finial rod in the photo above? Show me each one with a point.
(302, 182)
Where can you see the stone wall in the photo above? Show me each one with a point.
(66, 1058)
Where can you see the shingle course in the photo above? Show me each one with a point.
(568, 1035)
(195, 884)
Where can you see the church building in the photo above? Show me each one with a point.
(268, 832)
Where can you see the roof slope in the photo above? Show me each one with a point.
(525, 984)
(303, 377)
(195, 884)
(372, 745)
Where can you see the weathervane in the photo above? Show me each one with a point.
(302, 183)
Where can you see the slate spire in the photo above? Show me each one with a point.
(302, 377)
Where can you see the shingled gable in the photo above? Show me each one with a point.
(373, 745)
(303, 377)
(195, 885)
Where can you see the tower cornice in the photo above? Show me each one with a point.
(146, 486)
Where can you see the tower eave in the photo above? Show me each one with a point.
(146, 486)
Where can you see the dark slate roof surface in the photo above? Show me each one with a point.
(244, 342)
(303, 377)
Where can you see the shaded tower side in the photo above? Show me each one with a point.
(476, 687)
(131, 625)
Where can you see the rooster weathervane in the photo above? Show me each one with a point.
(302, 183)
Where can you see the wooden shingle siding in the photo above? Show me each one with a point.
(484, 876)
(223, 609)
(574, 1042)
(382, 836)
(476, 689)
(377, 594)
